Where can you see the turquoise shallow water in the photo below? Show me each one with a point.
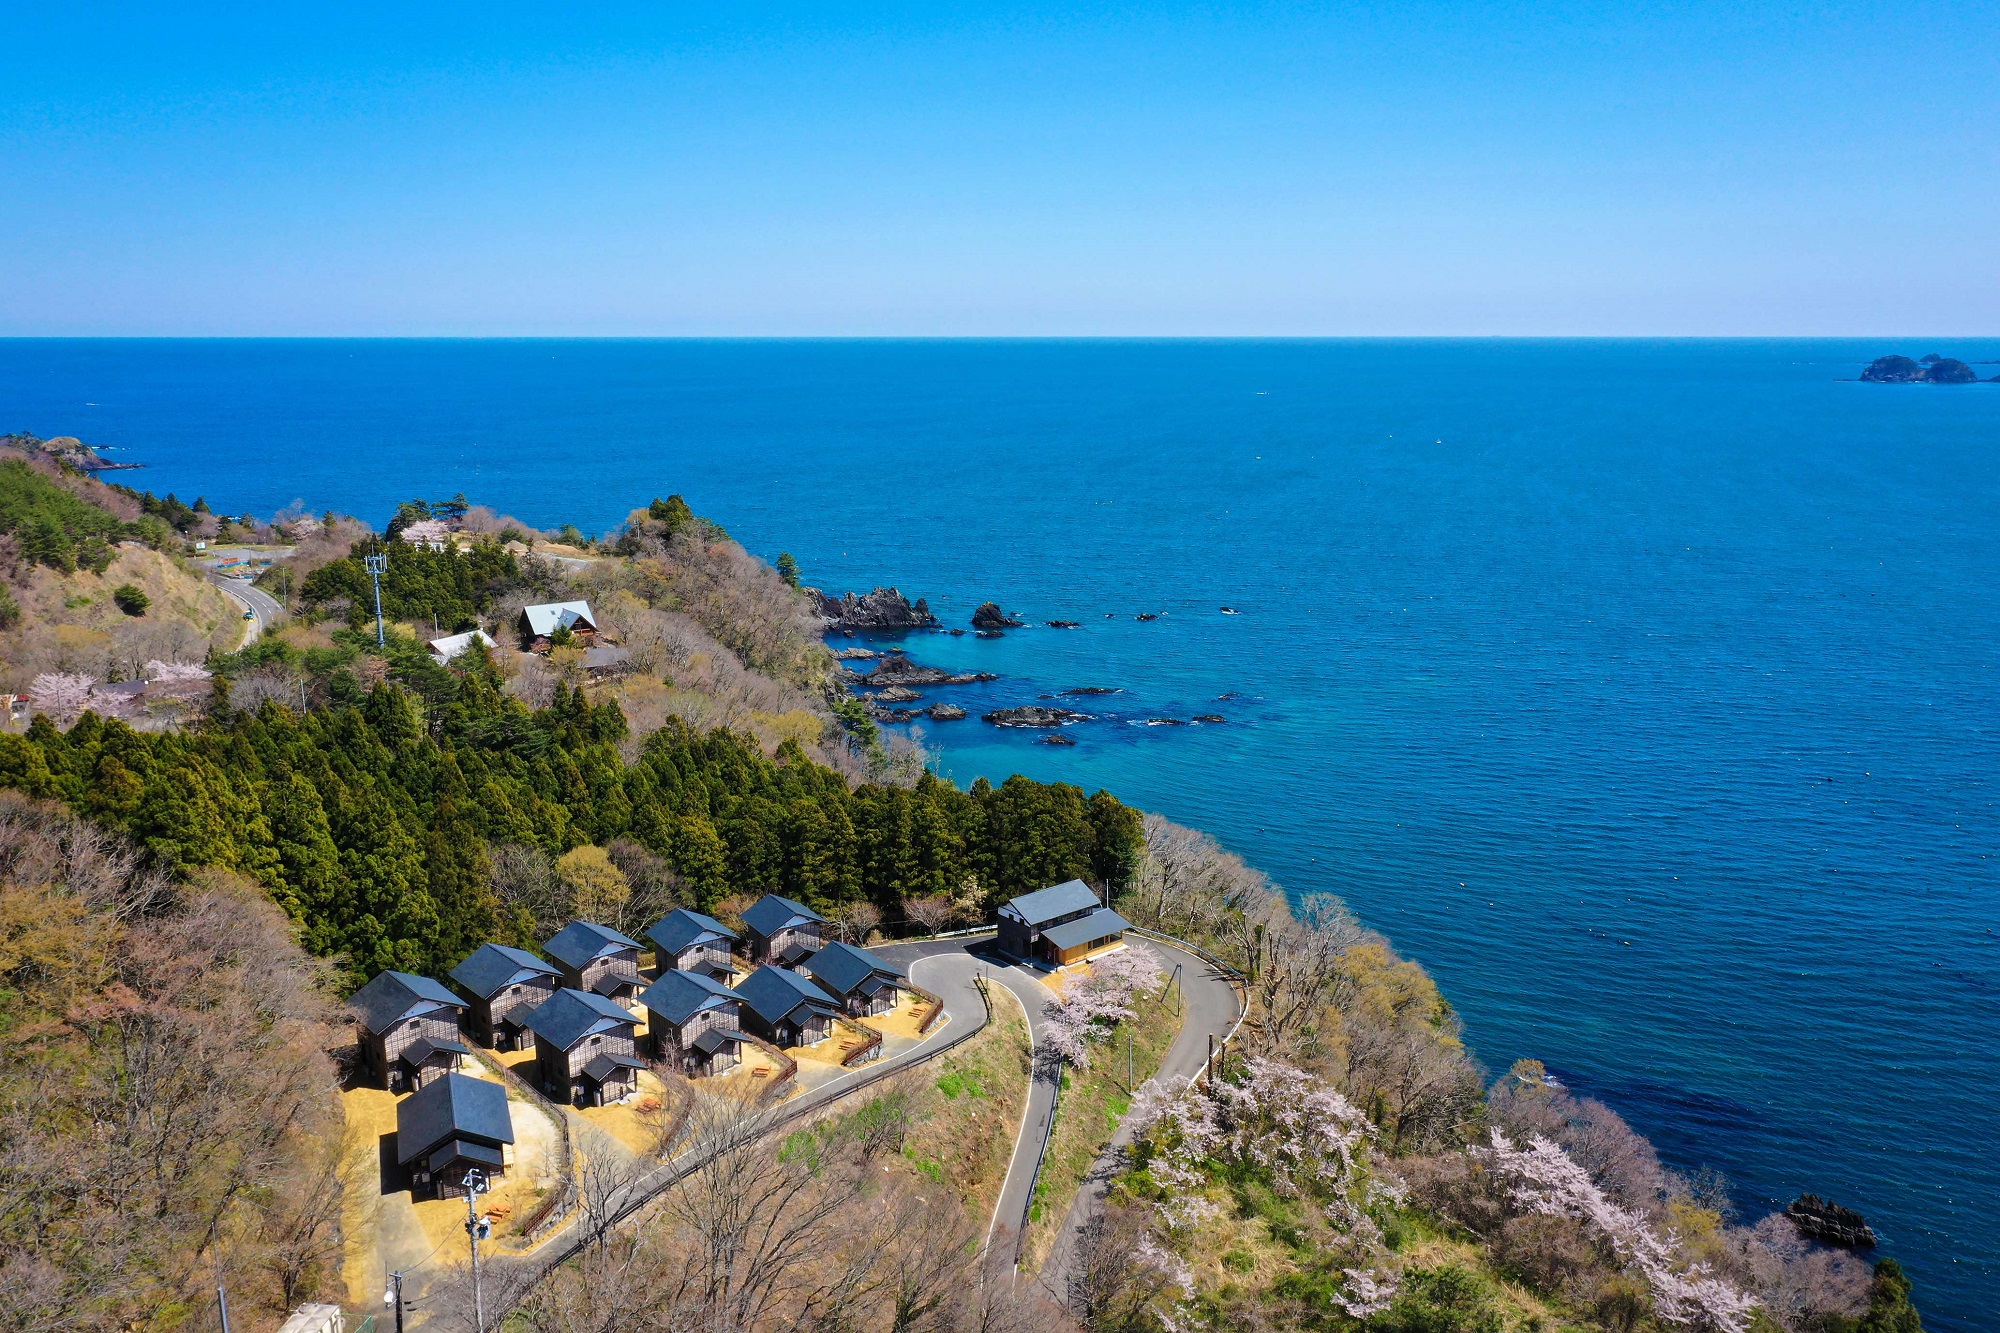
(1645, 691)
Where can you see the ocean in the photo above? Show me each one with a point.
(1644, 691)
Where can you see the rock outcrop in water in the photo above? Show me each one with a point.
(901, 671)
(1933, 369)
(1829, 1223)
(990, 616)
(1034, 715)
(883, 609)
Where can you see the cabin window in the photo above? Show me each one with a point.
(595, 1040)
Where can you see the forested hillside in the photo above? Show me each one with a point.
(370, 821)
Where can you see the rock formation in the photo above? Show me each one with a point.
(1034, 715)
(1933, 369)
(947, 713)
(883, 609)
(990, 616)
(1829, 1223)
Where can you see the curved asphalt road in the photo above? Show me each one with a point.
(264, 609)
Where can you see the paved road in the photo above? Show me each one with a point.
(264, 609)
(1213, 1008)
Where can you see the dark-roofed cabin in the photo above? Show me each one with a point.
(863, 983)
(782, 931)
(597, 959)
(685, 941)
(585, 1048)
(408, 1029)
(506, 985)
(1058, 925)
(786, 1008)
(450, 1126)
(694, 1021)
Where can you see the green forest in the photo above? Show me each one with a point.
(369, 821)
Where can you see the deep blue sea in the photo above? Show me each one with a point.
(1645, 691)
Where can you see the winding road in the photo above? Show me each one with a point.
(263, 608)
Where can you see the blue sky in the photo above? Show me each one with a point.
(446, 168)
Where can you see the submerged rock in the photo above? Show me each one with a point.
(1210, 717)
(990, 616)
(1034, 715)
(1056, 740)
(1093, 689)
(1148, 615)
(884, 608)
(1065, 624)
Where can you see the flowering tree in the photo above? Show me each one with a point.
(165, 671)
(1546, 1180)
(1093, 1005)
(61, 696)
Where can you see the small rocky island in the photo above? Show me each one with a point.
(1933, 369)
(989, 616)
(1034, 715)
(883, 609)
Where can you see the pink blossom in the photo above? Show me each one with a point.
(63, 697)
(158, 670)
(1095, 1003)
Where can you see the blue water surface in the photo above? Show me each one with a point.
(1645, 691)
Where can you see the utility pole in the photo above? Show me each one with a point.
(378, 565)
(394, 1296)
(475, 1185)
(221, 1288)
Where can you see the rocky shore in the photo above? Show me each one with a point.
(882, 609)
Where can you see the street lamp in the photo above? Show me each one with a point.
(378, 565)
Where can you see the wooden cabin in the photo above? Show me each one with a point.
(451, 1126)
(597, 959)
(540, 623)
(1058, 925)
(864, 983)
(408, 1029)
(585, 1048)
(504, 985)
(687, 941)
(695, 1023)
(786, 1008)
(782, 931)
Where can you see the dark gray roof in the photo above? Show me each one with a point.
(841, 968)
(491, 968)
(456, 1104)
(714, 1039)
(795, 952)
(393, 996)
(678, 996)
(771, 914)
(1099, 924)
(601, 1066)
(773, 994)
(465, 1150)
(569, 1016)
(1058, 900)
(613, 980)
(680, 930)
(580, 941)
(423, 1048)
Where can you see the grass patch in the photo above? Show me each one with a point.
(1092, 1103)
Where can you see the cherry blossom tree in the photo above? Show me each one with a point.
(165, 671)
(1092, 1005)
(61, 696)
(1546, 1180)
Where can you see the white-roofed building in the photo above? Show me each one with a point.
(450, 646)
(540, 623)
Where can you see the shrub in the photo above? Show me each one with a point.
(130, 599)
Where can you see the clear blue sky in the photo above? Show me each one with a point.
(450, 168)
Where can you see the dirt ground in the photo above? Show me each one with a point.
(384, 1230)
(752, 1077)
(904, 1020)
(634, 1122)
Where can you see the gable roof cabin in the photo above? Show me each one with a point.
(491, 968)
(453, 1125)
(786, 1005)
(596, 958)
(540, 622)
(679, 996)
(782, 930)
(1059, 924)
(681, 930)
(455, 645)
(568, 1016)
(862, 981)
(391, 997)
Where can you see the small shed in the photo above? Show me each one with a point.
(782, 930)
(863, 982)
(597, 958)
(408, 1029)
(786, 1008)
(689, 941)
(449, 1127)
(456, 645)
(694, 1021)
(1058, 925)
(585, 1048)
(540, 623)
(505, 986)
